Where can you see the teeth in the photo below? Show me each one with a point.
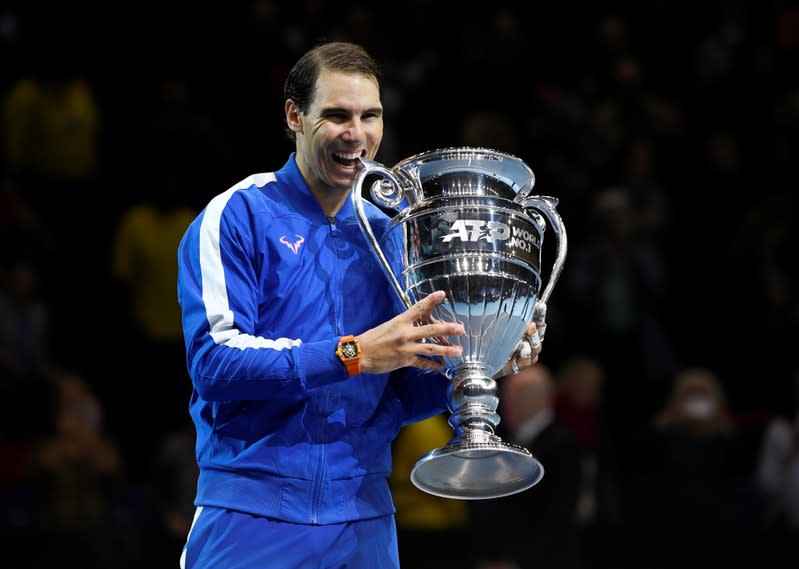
(351, 156)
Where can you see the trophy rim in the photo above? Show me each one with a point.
(525, 470)
(522, 180)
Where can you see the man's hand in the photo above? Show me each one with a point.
(529, 347)
(402, 341)
(526, 352)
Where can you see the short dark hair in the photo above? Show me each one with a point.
(300, 84)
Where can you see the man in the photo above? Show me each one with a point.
(292, 332)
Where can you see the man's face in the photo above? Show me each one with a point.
(343, 124)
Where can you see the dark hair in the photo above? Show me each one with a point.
(300, 85)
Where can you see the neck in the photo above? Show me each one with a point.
(331, 200)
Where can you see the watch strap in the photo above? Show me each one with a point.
(352, 363)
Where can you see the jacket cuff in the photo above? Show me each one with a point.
(319, 363)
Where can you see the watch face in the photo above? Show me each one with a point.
(348, 350)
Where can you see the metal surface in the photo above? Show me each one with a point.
(467, 225)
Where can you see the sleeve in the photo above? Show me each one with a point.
(217, 292)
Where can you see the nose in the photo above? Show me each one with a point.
(355, 130)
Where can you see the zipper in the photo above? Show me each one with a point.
(339, 307)
(319, 474)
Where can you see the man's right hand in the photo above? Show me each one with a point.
(401, 342)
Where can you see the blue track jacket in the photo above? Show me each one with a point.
(267, 284)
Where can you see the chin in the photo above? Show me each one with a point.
(344, 182)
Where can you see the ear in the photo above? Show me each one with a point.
(293, 116)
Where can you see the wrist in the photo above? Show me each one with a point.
(348, 351)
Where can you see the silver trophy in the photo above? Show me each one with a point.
(466, 223)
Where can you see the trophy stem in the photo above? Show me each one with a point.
(473, 399)
(475, 463)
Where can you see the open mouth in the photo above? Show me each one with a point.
(350, 160)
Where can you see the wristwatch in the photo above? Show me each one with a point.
(349, 352)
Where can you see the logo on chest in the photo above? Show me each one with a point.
(295, 246)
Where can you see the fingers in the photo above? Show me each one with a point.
(410, 338)
(527, 350)
(532, 338)
(427, 328)
(430, 365)
(540, 317)
(430, 331)
(530, 345)
(521, 361)
(436, 349)
(432, 327)
(426, 305)
(535, 343)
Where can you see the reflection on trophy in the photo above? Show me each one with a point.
(467, 224)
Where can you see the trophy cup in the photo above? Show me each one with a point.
(467, 224)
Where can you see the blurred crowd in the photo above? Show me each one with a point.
(665, 408)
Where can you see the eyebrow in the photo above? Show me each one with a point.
(330, 110)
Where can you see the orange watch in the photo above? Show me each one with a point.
(349, 352)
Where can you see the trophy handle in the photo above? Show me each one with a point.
(546, 206)
(389, 197)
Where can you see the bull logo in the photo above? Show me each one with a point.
(295, 247)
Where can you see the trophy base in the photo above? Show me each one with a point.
(477, 470)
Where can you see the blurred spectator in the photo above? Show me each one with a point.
(26, 417)
(425, 522)
(144, 247)
(52, 128)
(536, 528)
(145, 267)
(627, 106)
(25, 326)
(174, 480)
(77, 470)
(51, 135)
(778, 464)
(690, 468)
(22, 231)
(52, 121)
(649, 196)
(767, 239)
(579, 406)
(617, 281)
(691, 490)
(26, 373)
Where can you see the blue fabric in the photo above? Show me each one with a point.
(223, 538)
(267, 284)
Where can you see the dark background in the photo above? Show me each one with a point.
(189, 98)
